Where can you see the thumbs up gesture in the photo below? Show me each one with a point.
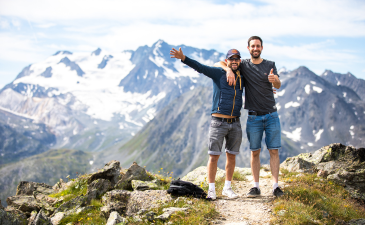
(271, 76)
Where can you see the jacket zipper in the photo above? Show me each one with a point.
(234, 98)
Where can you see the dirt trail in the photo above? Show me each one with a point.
(245, 210)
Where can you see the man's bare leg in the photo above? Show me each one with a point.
(212, 167)
(255, 169)
(255, 165)
(230, 165)
(274, 164)
(212, 170)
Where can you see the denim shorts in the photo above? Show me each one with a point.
(220, 130)
(255, 127)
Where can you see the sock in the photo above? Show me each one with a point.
(257, 185)
(275, 185)
(227, 184)
(212, 186)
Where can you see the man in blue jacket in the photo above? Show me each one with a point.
(225, 121)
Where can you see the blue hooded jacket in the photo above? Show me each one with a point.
(227, 99)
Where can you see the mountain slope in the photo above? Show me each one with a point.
(47, 167)
(82, 97)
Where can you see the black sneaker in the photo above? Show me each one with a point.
(278, 192)
(253, 193)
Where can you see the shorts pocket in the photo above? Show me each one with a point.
(251, 118)
(274, 115)
(215, 124)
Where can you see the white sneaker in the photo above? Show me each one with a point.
(229, 193)
(212, 195)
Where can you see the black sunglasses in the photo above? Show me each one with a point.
(234, 59)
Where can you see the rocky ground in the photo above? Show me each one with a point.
(245, 210)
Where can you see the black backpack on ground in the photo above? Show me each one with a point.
(184, 188)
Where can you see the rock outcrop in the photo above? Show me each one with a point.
(342, 164)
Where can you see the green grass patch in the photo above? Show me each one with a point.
(237, 176)
(89, 216)
(77, 188)
(312, 200)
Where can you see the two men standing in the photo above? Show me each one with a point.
(258, 77)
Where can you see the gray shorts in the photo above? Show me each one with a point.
(220, 130)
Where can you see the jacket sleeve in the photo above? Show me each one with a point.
(213, 72)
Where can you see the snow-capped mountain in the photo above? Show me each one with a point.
(92, 100)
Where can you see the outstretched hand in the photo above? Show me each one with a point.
(177, 54)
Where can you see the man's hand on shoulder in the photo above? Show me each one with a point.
(230, 75)
(177, 54)
(274, 79)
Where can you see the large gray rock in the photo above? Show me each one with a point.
(75, 203)
(167, 212)
(26, 204)
(116, 200)
(8, 218)
(342, 164)
(41, 219)
(97, 188)
(199, 175)
(110, 172)
(27, 188)
(134, 172)
(57, 218)
(144, 185)
(146, 200)
(115, 218)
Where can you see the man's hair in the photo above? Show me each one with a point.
(254, 38)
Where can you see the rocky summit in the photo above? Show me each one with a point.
(118, 196)
(342, 164)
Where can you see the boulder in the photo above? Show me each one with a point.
(57, 218)
(32, 217)
(115, 218)
(134, 172)
(8, 218)
(199, 175)
(146, 200)
(27, 188)
(144, 185)
(97, 188)
(342, 164)
(75, 203)
(167, 212)
(41, 219)
(110, 172)
(26, 204)
(357, 222)
(116, 200)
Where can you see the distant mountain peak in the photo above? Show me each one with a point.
(72, 65)
(96, 52)
(63, 53)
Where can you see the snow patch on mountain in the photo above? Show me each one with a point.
(294, 135)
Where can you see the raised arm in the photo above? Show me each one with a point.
(209, 71)
(274, 79)
(230, 75)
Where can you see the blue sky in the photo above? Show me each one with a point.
(319, 34)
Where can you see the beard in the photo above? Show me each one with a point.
(257, 56)
(236, 65)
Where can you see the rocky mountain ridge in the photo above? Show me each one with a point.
(37, 203)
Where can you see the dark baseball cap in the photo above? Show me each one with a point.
(233, 52)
